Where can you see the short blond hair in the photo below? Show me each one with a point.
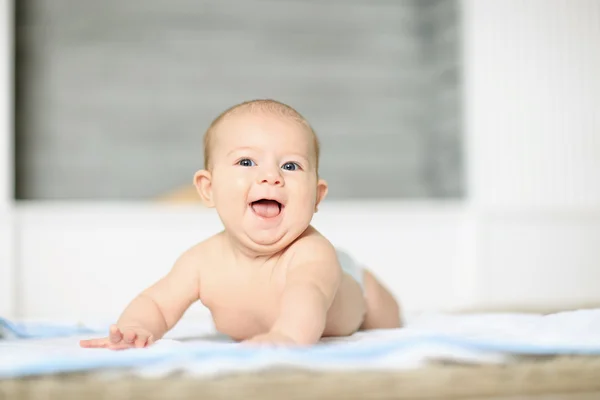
(261, 105)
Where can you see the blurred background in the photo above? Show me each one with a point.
(130, 88)
(460, 139)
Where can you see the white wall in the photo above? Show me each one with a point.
(84, 261)
(7, 288)
(6, 38)
(533, 93)
(7, 295)
(533, 210)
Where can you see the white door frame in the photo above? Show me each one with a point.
(7, 265)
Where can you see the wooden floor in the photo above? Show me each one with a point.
(571, 378)
(564, 396)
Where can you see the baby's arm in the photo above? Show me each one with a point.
(155, 310)
(311, 285)
(159, 307)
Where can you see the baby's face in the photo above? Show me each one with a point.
(264, 181)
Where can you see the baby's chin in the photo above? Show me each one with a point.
(266, 238)
(268, 241)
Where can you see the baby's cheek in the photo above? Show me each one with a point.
(240, 183)
(232, 184)
(308, 200)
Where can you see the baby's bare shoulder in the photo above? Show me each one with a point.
(312, 247)
(313, 259)
(202, 255)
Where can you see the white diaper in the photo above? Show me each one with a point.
(351, 267)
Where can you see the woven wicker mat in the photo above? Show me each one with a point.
(576, 378)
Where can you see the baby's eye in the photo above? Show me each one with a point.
(246, 162)
(291, 166)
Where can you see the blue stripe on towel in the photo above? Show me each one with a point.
(9, 329)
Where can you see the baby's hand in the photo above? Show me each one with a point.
(272, 338)
(121, 338)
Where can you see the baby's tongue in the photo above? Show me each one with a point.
(266, 208)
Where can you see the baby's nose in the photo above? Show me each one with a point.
(271, 178)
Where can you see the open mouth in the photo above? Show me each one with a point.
(266, 208)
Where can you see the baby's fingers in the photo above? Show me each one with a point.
(94, 343)
(119, 346)
(115, 334)
(143, 341)
(129, 337)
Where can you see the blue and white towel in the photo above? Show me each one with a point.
(40, 330)
(192, 348)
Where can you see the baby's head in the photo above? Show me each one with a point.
(267, 108)
(261, 173)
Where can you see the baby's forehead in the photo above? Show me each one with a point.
(249, 117)
(246, 124)
(250, 120)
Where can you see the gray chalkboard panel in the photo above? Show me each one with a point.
(113, 96)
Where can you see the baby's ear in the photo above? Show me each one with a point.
(202, 181)
(322, 189)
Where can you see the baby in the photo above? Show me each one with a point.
(269, 277)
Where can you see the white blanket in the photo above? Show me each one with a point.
(193, 347)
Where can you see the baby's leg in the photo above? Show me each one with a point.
(383, 311)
